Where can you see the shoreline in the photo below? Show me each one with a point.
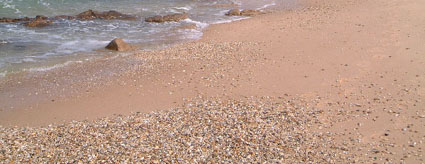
(184, 30)
(336, 82)
(29, 93)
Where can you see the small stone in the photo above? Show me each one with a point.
(375, 151)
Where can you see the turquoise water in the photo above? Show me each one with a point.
(65, 41)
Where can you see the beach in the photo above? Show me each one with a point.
(323, 82)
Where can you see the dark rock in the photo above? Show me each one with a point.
(234, 12)
(157, 19)
(167, 18)
(250, 12)
(119, 45)
(90, 14)
(116, 15)
(39, 21)
(375, 151)
(6, 20)
(41, 17)
(87, 15)
(237, 12)
(10, 20)
(176, 17)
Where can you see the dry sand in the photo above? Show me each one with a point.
(348, 75)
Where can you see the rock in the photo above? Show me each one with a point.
(375, 151)
(250, 12)
(116, 15)
(237, 12)
(39, 21)
(157, 19)
(234, 12)
(167, 18)
(90, 14)
(10, 20)
(87, 15)
(176, 17)
(119, 45)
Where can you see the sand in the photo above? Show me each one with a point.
(354, 68)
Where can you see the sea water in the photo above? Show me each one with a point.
(66, 41)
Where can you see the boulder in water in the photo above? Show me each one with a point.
(39, 21)
(116, 15)
(87, 15)
(11, 20)
(250, 12)
(64, 17)
(119, 45)
(234, 12)
(90, 14)
(237, 12)
(156, 19)
(167, 18)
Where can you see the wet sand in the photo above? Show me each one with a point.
(348, 74)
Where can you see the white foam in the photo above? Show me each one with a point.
(43, 3)
(43, 69)
(221, 13)
(228, 21)
(29, 60)
(71, 47)
(239, 3)
(3, 74)
(267, 5)
(192, 34)
(197, 23)
(187, 8)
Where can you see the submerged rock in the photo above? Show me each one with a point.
(87, 15)
(167, 18)
(39, 21)
(42, 21)
(119, 45)
(234, 12)
(250, 12)
(91, 14)
(12, 20)
(237, 12)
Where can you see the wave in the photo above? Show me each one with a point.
(48, 68)
(266, 6)
(198, 24)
